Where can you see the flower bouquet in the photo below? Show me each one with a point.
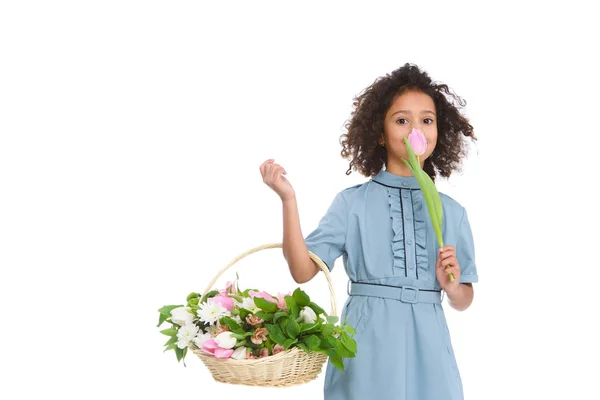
(252, 337)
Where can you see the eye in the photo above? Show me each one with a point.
(401, 119)
(429, 120)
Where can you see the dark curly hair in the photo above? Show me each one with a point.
(360, 144)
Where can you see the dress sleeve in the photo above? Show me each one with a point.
(465, 251)
(328, 240)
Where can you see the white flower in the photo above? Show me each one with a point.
(248, 304)
(239, 353)
(211, 312)
(237, 319)
(182, 316)
(186, 334)
(225, 340)
(308, 315)
(201, 338)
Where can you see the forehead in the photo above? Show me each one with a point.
(413, 101)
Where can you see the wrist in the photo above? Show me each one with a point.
(453, 291)
(289, 199)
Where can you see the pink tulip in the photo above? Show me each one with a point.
(211, 347)
(281, 301)
(417, 142)
(223, 353)
(225, 301)
(264, 295)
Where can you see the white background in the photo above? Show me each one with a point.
(131, 137)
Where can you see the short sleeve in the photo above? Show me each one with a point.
(465, 251)
(328, 240)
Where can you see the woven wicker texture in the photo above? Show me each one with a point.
(288, 368)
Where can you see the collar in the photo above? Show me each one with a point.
(388, 179)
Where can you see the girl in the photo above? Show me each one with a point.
(390, 252)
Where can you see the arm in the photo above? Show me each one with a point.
(301, 266)
(461, 298)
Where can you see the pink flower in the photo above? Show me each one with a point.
(250, 355)
(211, 347)
(264, 352)
(260, 335)
(281, 301)
(231, 287)
(278, 349)
(223, 300)
(264, 295)
(253, 320)
(417, 142)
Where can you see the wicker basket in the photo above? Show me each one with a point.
(288, 368)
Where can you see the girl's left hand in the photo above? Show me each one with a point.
(447, 256)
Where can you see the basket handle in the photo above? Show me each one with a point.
(312, 255)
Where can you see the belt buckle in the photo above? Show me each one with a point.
(413, 297)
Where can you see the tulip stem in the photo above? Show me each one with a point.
(450, 275)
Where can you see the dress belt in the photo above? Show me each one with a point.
(406, 294)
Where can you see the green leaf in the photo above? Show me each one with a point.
(161, 319)
(327, 330)
(348, 342)
(295, 311)
(265, 305)
(290, 302)
(244, 313)
(312, 342)
(233, 325)
(173, 339)
(337, 362)
(193, 302)
(332, 319)
(239, 299)
(301, 298)
(344, 352)
(288, 343)
(292, 328)
(265, 316)
(166, 310)
(179, 353)
(171, 346)
(436, 203)
(192, 295)
(350, 329)
(276, 334)
(304, 347)
(278, 315)
(169, 332)
(208, 295)
(318, 310)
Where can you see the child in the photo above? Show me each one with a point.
(390, 252)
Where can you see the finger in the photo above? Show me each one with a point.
(264, 165)
(445, 251)
(274, 173)
(452, 270)
(448, 259)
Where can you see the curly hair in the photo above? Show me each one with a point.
(360, 144)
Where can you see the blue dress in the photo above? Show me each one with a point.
(383, 231)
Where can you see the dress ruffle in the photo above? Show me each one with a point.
(419, 223)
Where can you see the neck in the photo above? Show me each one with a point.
(397, 167)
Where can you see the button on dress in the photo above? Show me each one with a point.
(383, 231)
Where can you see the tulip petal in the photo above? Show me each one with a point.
(223, 353)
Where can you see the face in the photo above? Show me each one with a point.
(408, 111)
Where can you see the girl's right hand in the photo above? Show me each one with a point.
(272, 174)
